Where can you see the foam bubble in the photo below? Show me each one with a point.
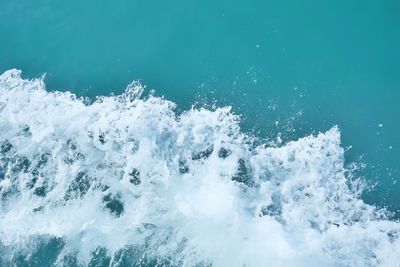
(126, 180)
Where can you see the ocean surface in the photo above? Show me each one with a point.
(199, 133)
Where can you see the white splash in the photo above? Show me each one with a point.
(127, 175)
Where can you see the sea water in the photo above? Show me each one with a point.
(258, 134)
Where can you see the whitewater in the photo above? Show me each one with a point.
(126, 180)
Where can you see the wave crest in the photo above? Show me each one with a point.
(126, 180)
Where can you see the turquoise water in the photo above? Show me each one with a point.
(288, 68)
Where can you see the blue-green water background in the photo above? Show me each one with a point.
(335, 61)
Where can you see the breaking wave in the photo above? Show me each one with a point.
(127, 181)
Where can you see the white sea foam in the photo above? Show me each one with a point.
(127, 177)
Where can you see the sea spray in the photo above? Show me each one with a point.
(126, 181)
